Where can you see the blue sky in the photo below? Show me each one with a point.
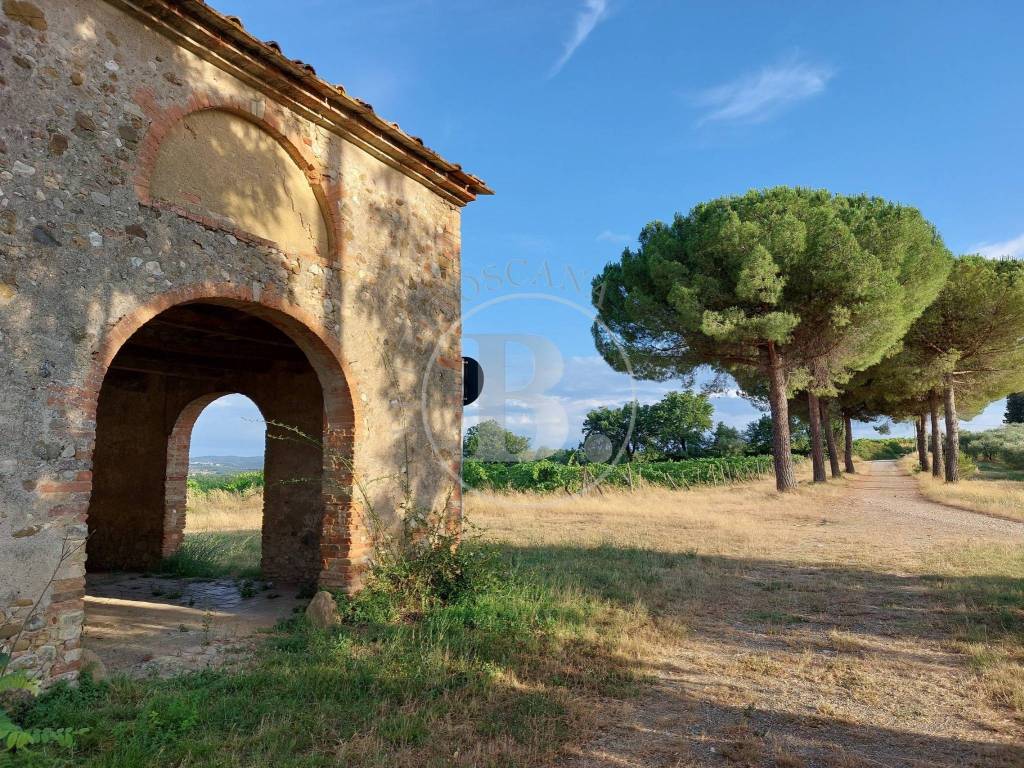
(590, 118)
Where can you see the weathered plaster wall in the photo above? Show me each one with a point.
(215, 163)
(88, 253)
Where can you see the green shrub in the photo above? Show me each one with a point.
(871, 449)
(434, 574)
(549, 476)
(1003, 445)
(966, 465)
(474, 474)
(1012, 456)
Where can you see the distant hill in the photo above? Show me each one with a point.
(224, 465)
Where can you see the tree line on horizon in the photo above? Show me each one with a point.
(679, 427)
(838, 307)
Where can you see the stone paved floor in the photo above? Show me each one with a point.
(142, 625)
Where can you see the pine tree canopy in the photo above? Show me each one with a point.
(832, 281)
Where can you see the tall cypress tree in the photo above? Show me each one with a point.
(1014, 408)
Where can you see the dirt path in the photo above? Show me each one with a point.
(834, 650)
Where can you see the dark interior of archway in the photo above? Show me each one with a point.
(181, 355)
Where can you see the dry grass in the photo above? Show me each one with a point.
(223, 536)
(224, 512)
(819, 628)
(727, 520)
(1002, 498)
(813, 629)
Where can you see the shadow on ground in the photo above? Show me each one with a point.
(798, 664)
(488, 674)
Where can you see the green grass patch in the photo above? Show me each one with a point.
(215, 555)
(504, 671)
(988, 470)
(238, 483)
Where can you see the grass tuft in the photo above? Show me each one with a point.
(214, 555)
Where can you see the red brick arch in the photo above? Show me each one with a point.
(176, 481)
(343, 548)
(269, 117)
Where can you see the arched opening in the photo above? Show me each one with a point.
(155, 388)
(213, 518)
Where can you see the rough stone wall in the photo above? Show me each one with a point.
(88, 254)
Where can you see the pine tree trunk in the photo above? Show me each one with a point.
(922, 442)
(817, 450)
(952, 437)
(848, 443)
(830, 438)
(785, 476)
(933, 405)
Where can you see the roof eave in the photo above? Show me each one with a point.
(196, 26)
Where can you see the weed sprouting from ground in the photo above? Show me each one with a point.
(436, 575)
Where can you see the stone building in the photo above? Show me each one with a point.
(184, 213)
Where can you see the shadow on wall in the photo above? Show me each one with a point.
(401, 288)
(214, 161)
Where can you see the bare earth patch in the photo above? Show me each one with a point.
(143, 625)
(840, 626)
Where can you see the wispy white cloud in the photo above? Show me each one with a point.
(1007, 249)
(590, 15)
(607, 236)
(754, 98)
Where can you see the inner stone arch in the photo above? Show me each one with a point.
(216, 163)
